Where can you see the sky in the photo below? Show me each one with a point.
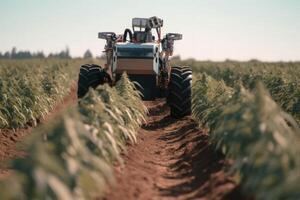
(268, 30)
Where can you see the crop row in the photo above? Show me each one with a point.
(75, 161)
(253, 131)
(30, 89)
(281, 79)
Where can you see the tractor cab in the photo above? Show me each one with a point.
(142, 29)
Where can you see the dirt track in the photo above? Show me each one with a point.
(172, 160)
(9, 139)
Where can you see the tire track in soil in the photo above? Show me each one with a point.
(172, 160)
(10, 141)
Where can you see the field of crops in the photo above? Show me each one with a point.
(30, 89)
(280, 79)
(251, 111)
(75, 161)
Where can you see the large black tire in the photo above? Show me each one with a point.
(90, 76)
(180, 92)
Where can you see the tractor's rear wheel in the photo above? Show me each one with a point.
(90, 76)
(180, 92)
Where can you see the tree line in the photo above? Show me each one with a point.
(64, 54)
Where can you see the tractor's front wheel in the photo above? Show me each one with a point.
(180, 92)
(91, 76)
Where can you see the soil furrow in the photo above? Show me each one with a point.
(172, 160)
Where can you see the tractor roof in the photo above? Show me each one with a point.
(152, 22)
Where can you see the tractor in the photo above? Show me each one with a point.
(145, 57)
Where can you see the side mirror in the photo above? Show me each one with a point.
(106, 35)
(174, 36)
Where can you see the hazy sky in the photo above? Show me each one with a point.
(212, 29)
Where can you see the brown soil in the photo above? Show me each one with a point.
(9, 139)
(172, 160)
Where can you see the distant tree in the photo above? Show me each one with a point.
(65, 54)
(13, 53)
(87, 54)
(254, 61)
(6, 55)
(50, 55)
(40, 54)
(23, 55)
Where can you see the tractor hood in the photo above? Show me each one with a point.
(136, 58)
(136, 51)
